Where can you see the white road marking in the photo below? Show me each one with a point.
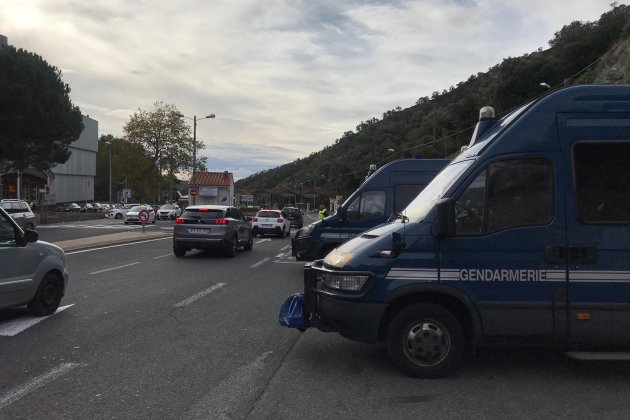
(116, 246)
(199, 295)
(280, 255)
(38, 382)
(115, 268)
(284, 247)
(234, 393)
(259, 263)
(162, 256)
(289, 262)
(264, 240)
(16, 326)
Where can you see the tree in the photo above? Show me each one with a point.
(37, 119)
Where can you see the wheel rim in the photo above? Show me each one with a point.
(427, 343)
(49, 295)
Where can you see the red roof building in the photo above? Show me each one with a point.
(212, 188)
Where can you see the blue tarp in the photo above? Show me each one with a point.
(292, 313)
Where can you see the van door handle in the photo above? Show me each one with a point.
(582, 254)
(555, 255)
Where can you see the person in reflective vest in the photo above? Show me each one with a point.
(323, 212)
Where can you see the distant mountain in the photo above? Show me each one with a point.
(437, 126)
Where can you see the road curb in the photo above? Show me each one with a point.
(107, 240)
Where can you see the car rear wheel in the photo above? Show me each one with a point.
(282, 233)
(118, 216)
(48, 296)
(425, 340)
(289, 232)
(250, 243)
(179, 251)
(231, 250)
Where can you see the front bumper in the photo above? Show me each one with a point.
(305, 248)
(348, 314)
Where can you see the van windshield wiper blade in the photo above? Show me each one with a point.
(396, 216)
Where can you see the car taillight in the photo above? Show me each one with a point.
(179, 220)
(220, 222)
(280, 221)
(254, 219)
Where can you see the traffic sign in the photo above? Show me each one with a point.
(143, 216)
(193, 192)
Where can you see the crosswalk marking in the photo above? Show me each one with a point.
(16, 326)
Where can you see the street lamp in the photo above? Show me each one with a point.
(194, 119)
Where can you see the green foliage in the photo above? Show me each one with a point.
(437, 126)
(37, 120)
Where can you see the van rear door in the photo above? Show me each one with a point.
(597, 150)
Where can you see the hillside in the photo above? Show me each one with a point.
(437, 126)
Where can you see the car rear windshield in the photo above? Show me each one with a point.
(268, 214)
(291, 212)
(203, 214)
(167, 207)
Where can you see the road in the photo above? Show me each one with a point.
(149, 335)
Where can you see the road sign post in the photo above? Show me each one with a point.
(193, 193)
(143, 217)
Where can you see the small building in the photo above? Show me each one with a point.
(212, 188)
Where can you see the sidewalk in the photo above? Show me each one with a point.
(111, 239)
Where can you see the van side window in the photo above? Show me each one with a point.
(403, 194)
(602, 181)
(7, 233)
(510, 193)
(369, 204)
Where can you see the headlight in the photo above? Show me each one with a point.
(338, 259)
(346, 282)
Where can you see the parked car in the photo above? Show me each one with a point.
(169, 211)
(88, 208)
(132, 215)
(294, 215)
(20, 212)
(119, 212)
(71, 207)
(98, 207)
(33, 273)
(271, 222)
(212, 227)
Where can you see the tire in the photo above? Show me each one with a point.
(153, 221)
(289, 232)
(430, 331)
(231, 250)
(48, 296)
(282, 233)
(179, 251)
(118, 216)
(126, 223)
(250, 243)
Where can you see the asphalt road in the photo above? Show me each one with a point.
(57, 232)
(154, 336)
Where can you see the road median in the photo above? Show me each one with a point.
(110, 239)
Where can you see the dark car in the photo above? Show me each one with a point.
(294, 215)
(214, 227)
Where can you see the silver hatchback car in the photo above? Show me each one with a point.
(32, 273)
(212, 227)
(20, 212)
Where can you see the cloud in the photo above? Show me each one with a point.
(285, 78)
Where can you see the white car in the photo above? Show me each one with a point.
(168, 211)
(271, 222)
(132, 215)
(119, 213)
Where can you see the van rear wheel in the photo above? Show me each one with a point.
(48, 296)
(425, 341)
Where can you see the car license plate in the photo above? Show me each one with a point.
(198, 230)
(266, 225)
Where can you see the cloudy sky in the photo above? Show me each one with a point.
(284, 77)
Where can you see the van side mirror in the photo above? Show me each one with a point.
(341, 213)
(444, 225)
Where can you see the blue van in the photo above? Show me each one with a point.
(524, 237)
(386, 191)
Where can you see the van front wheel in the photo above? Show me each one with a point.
(425, 341)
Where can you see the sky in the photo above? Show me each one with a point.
(285, 78)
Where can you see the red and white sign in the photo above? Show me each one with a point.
(193, 192)
(143, 216)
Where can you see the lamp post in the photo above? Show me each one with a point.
(194, 119)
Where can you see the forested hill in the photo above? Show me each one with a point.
(437, 126)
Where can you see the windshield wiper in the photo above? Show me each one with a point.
(396, 216)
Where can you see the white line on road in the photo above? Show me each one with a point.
(280, 255)
(232, 395)
(264, 240)
(116, 246)
(33, 384)
(289, 262)
(259, 263)
(115, 268)
(199, 295)
(162, 256)
(14, 327)
(284, 247)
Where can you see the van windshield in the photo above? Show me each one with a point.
(417, 210)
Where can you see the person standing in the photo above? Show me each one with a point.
(323, 212)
